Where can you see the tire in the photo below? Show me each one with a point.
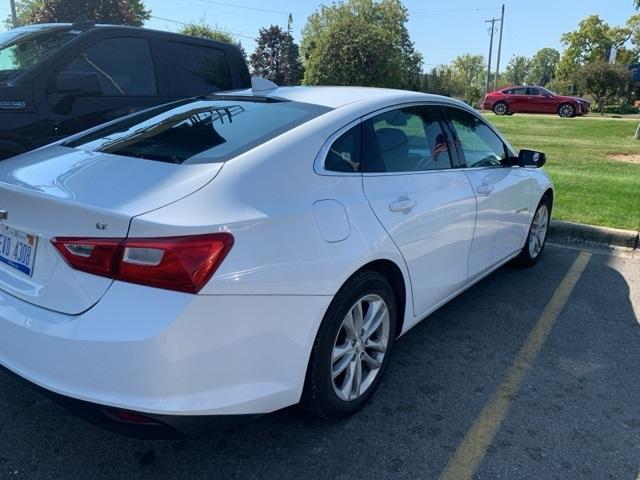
(500, 108)
(537, 235)
(336, 353)
(566, 110)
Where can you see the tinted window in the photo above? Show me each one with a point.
(21, 49)
(344, 153)
(406, 140)
(479, 144)
(201, 131)
(123, 65)
(533, 91)
(197, 70)
(516, 91)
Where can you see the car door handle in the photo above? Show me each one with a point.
(484, 189)
(403, 205)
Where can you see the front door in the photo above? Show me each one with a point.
(503, 191)
(426, 206)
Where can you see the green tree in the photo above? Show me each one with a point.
(439, 80)
(118, 12)
(542, 68)
(205, 31)
(277, 57)
(593, 40)
(469, 74)
(517, 70)
(360, 42)
(602, 80)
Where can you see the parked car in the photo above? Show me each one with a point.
(527, 99)
(59, 79)
(224, 257)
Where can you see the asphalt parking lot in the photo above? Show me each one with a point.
(573, 411)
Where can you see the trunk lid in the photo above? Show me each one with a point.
(63, 192)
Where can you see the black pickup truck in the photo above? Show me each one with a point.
(59, 79)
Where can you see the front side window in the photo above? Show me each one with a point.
(124, 66)
(533, 91)
(410, 139)
(197, 70)
(478, 143)
(21, 49)
(198, 131)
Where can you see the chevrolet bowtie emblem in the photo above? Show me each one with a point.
(4, 214)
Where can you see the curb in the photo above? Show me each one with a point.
(580, 233)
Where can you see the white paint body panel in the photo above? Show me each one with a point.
(241, 346)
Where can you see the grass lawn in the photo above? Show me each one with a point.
(591, 185)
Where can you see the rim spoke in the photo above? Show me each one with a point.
(376, 345)
(356, 312)
(340, 367)
(357, 379)
(376, 314)
(348, 326)
(372, 362)
(347, 386)
(340, 351)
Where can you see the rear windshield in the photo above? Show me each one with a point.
(198, 131)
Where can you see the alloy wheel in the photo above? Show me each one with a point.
(360, 347)
(538, 232)
(566, 111)
(500, 109)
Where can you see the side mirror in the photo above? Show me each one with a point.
(531, 158)
(77, 84)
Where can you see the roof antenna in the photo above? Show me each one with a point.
(82, 23)
(261, 85)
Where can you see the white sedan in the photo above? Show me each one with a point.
(224, 257)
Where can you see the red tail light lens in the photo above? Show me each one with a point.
(175, 263)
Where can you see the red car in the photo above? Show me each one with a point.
(510, 100)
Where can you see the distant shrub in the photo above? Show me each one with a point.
(621, 109)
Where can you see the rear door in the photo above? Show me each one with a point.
(194, 69)
(503, 191)
(518, 100)
(426, 206)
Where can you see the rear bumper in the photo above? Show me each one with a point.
(167, 354)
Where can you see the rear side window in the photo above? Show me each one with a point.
(408, 139)
(123, 65)
(344, 153)
(516, 91)
(197, 70)
(198, 131)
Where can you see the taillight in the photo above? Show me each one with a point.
(174, 263)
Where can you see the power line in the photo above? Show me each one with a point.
(267, 10)
(186, 24)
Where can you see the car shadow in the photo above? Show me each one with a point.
(576, 415)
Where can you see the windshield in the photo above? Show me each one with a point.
(23, 48)
(199, 131)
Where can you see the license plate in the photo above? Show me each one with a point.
(18, 249)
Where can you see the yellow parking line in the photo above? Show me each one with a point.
(473, 447)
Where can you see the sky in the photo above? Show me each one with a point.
(440, 30)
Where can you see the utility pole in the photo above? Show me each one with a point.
(495, 81)
(289, 22)
(14, 18)
(492, 22)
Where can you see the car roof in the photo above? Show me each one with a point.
(337, 97)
